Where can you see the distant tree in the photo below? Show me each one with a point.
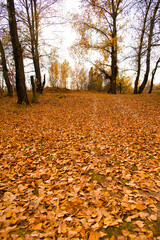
(17, 52)
(64, 73)
(80, 77)
(91, 83)
(124, 84)
(95, 80)
(5, 70)
(83, 78)
(54, 74)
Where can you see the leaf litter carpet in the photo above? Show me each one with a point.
(80, 166)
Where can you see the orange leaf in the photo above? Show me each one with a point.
(94, 236)
(140, 224)
(37, 227)
(140, 206)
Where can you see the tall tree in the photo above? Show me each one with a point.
(99, 31)
(64, 71)
(54, 74)
(30, 19)
(141, 42)
(5, 70)
(148, 12)
(17, 52)
(33, 15)
(149, 46)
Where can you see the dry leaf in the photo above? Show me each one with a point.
(140, 224)
(125, 233)
(140, 206)
(94, 236)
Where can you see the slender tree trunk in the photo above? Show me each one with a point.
(38, 72)
(145, 80)
(5, 71)
(17, 52)
(114, 68)
(153, 74)
(33, 29)
(140, 49)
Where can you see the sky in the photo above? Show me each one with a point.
(65, 35)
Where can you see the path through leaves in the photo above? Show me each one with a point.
(80, 166)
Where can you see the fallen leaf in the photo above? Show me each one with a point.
(94, 236)
(37, 227)
(125, 233)
(140, 206)
(139, 223)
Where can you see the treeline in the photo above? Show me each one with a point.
(62, 75)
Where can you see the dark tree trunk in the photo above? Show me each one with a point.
(17, 52)
(114, 67)
(153, 74)
(33, 29)
(33, 87)
(5, 71)
(140, 49)
(44, 81)
(120, 88)
(145, 80)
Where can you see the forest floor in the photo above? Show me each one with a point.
(80, 165)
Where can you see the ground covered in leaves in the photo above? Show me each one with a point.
(80, 165)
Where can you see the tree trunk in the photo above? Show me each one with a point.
(33, 29)
(5, 71)
(33, 87)
(140, 49)
(114, 68)
(145, 80)
(17, 52)
(153, 74)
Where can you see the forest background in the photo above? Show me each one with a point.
(114, 49)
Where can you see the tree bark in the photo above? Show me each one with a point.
(5, 71)
(114, 63)
(153, 74)
(114, 68)
(145, 80)
(33, 87)
(17, 52)
(140, 49)
(32, 19)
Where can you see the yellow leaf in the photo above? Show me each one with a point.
(96, 226)
(94, 236)
(131, 236)
(112, 238)
(140, 206)
(153, 217)
(125, 233)
(9, 214)
(102, 234)
(107, 221)
(37, 227)
(140, 224)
